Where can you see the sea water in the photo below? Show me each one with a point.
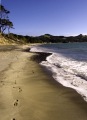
(68, 63)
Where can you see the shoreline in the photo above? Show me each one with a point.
(77, 81)
(71, 93)
(28, 92)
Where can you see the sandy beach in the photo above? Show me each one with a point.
(28, 91)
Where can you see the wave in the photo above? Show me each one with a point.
(65, 70)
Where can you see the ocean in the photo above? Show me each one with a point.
(68, 64)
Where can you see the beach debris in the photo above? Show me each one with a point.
(16, 103)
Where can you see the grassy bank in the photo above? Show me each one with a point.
(6, 40)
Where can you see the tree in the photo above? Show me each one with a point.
(5, 23)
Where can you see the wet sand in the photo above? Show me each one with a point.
(28, 92)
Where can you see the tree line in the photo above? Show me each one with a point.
(47, 38)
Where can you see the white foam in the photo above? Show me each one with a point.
(39, 49)
(67, 71)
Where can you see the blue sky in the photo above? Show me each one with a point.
(56, 17)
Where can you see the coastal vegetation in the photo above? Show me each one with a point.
(47, 38)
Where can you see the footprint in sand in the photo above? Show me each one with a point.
(13, 119)
(2, 82)
(20, 89)
(16, 103)
(15, 82)
(32, 71)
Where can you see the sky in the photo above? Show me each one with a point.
(55, 17)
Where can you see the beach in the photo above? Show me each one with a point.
(28, 91)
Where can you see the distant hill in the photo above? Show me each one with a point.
(46, 38)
